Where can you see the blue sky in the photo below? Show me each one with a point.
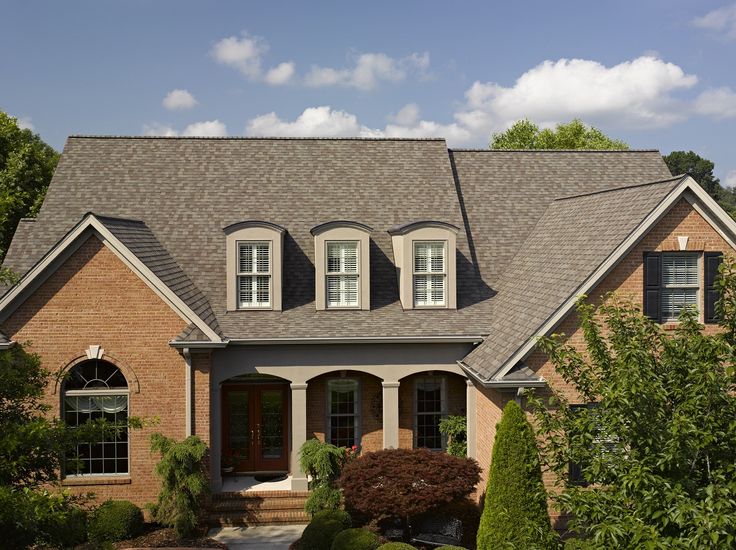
(655, 73)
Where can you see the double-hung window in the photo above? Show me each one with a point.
(254, 274)
(680, 283)
(343, 412)
(430, 408)
(342, 274)
(430, 274)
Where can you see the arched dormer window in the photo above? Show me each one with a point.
(342, 265)
(92, 390)
(254, 256)
(425, 264)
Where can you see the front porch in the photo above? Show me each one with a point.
(371, 406)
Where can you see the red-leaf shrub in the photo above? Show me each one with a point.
(404, 483)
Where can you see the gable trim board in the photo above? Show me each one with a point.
(90, 226)
(687, 189)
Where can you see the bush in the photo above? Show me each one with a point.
(324, 497)
(451, 547)
(402, 482)
(456, 430)
(396, 546)
(66, 529)
(115, 520)
(356, 539)
(515, 510)
(183, 482)
(323, 528)
(321, 461)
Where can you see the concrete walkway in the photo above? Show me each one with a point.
(265, 537)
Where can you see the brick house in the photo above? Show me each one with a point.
(259, 292)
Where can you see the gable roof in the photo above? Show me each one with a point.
(136, 246)
(186, 191)
(573, 246)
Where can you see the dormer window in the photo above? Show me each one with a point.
(253, 261)
(424, 253)
(254, 274)
(430, 274)
(342, 274)
(342, 265)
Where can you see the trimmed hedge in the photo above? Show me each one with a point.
(115, 520)
(515, 510)
(396, 546)
(323, 529)
(450, 547)
(356, 539)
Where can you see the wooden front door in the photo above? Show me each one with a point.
(254, 421)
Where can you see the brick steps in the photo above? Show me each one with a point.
(258, 508)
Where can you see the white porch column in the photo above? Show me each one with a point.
(471, 412)
(298, 434)
(390, 414)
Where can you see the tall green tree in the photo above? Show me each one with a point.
(524, 134)
(655, 449)
(26, 167)
(515, 508)
(701, 170)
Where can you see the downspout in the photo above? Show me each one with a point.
(188, 391)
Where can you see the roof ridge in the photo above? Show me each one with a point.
(115, 218)
(255, 138)
(622, 188)
(488, 150)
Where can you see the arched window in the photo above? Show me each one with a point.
(97, 389)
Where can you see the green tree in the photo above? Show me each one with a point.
(656, 450)
(524, 134)
(515, 509)
(701, 170)
(26, 167)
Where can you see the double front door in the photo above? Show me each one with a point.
(255, 427)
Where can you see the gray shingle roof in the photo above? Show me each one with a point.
(574, 236)
(139, 239)
(185, 191)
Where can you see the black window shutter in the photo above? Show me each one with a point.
(652, 283)
(712, 261)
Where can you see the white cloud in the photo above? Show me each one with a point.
(368, 71)
(633, 93)
(281, 74)
(717, 103)
(313, 122)
(179, 100)
(208, 128)
(722, 21)
(407, 115)
(731, 178)
(24, 123)
(246, 55)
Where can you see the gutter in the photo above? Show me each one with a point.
(500, 384)
(470, 339)
(6, 345)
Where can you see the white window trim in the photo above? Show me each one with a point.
(444, 274)
(697, 286)
(358, 407)
(416, 413)
(341, 274)
(254, 273)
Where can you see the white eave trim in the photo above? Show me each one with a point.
(6, 345)
(688, 189)
(469, 339)
(90, 222)
(540, 382)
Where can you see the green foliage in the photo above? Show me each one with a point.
(26, 167)
(524, 134)
(456, 430)
(115, 520)
(396, 546)
(658, 452)
(29, 517)
(356, 539)
(323, 497)
(323, 529)
(515, 509)
(451, 547)
(184, 484)
(701, 170)
(321, 461)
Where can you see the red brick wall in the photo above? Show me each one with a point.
(93, 298)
